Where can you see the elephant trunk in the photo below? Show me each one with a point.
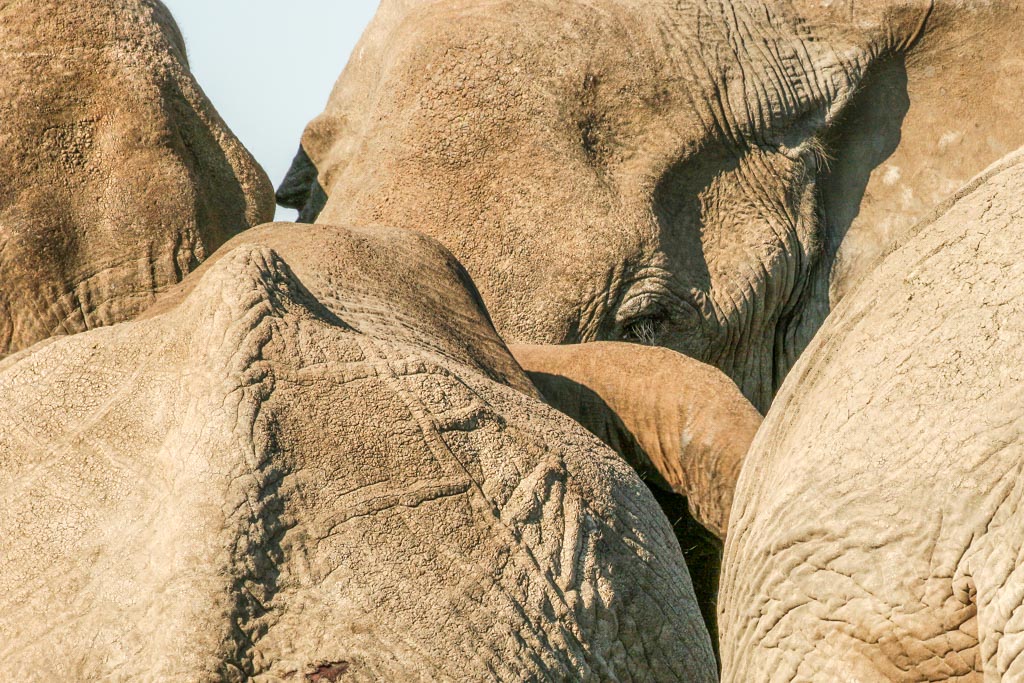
(682, 424)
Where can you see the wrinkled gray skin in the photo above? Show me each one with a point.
(304, 466)
(877, 532)
(710, 177)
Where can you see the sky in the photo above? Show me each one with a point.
(268, 66)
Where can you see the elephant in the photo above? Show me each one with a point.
(118, 177)
(877, 531)
(302, 464)
(710, 177)
(681, 424)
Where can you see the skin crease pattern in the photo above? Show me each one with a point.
(119, 177)
(303, 465)
(877, 530)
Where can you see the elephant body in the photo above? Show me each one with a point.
(877, 531)
(118, 175)
(709, 177)
(303, 464)
(706, 176)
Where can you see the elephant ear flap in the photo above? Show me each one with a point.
(927, 110)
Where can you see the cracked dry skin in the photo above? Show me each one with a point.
(118, 175)
(877, 531)
(315, 460)
(683, 425)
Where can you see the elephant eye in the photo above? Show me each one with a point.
(642, 330)
(643, 313)
(812, 154)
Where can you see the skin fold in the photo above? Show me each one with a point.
(680, 423)
(877, 531)
(710, 177)
(118, 178)
(683, 425)
(304, 465)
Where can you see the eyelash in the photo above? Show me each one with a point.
(642, 331)
(816, 153)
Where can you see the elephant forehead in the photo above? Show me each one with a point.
(476, 87)
(483, 82)
(628, 88)
(82, 85)
(113, 157)
(84, 62)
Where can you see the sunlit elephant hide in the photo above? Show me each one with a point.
(710, 177)
(877, 531)
(117, 176)
(304, 465)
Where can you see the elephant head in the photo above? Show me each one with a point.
(118, 177)
(706, 176)
(878, 526)
(304, 464)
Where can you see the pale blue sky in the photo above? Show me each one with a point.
(268, 66)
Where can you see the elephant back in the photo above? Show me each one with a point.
(882, 493)
(274, 475)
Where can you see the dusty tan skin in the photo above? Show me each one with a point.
(681, 424)
(705, 176)
(118, 177)
(305, 465)
(877, 531)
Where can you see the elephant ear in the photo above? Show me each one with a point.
(926, 115)
(327, 142)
